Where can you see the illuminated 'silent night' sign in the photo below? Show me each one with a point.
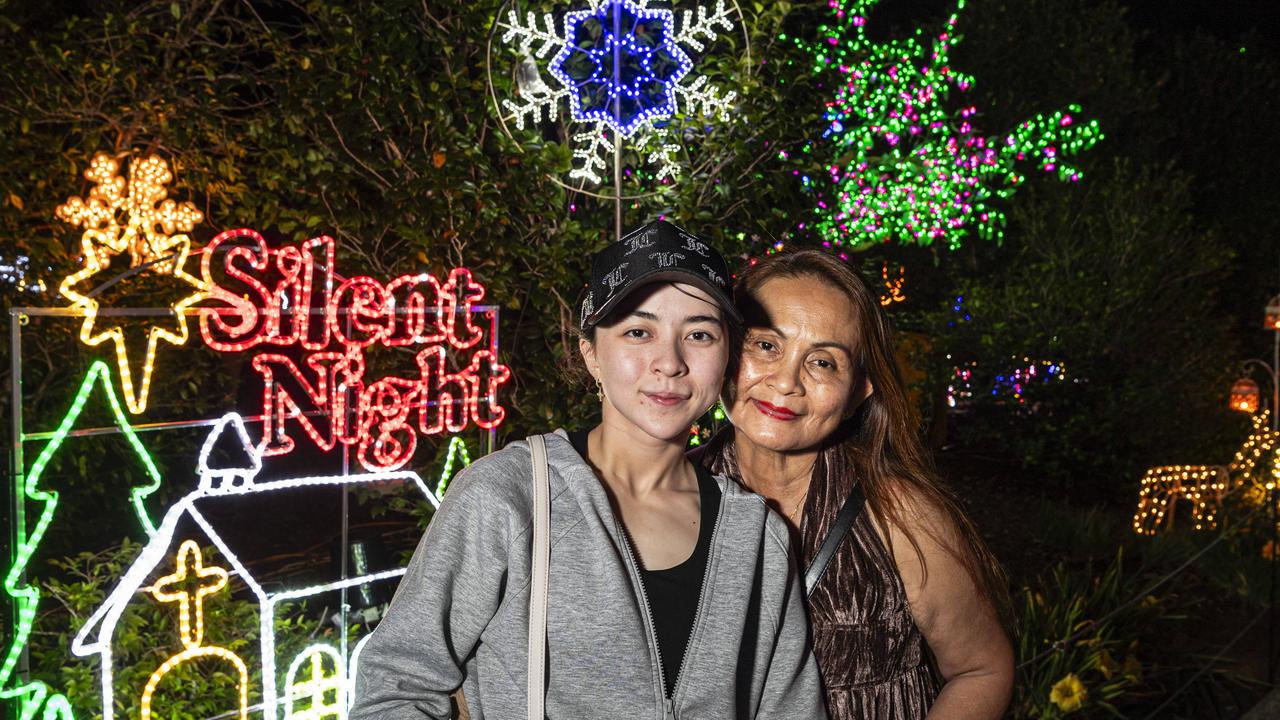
(318, 332)
(343, 362)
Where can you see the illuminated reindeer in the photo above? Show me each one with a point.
(1202, 485)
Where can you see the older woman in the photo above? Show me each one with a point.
(905, 616)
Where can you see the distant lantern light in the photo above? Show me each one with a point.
(1245, 396)
(1273, 314)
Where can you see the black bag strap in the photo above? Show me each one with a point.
(844, 521)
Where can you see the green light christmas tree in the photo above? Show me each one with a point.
(906, 165)
(32, 697)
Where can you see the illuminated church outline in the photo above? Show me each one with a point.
(318, 674)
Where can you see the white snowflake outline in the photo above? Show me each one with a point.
(592, 145)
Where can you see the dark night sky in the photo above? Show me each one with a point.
(1229, 20)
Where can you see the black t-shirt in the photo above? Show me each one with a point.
(673, 593)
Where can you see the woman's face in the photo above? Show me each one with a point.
(661, 359)
(798, 377)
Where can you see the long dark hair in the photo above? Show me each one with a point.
(879, 444)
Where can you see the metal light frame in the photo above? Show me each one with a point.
(20, 316)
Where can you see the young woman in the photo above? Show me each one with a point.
(671, 592)
(820, 416)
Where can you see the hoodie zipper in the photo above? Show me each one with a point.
(668, 703)
(668, 709)
(697, 615)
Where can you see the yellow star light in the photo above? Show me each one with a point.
(150, 219)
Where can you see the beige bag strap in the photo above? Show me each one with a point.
(541, 561)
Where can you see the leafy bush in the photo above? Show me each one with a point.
(1104, 641)
(1114, 282)
(1069, 661)
(82, 583)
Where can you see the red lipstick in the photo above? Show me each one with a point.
(774, 411)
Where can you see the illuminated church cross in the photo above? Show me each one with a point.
(187, 588)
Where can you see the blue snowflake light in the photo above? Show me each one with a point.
(622, 65)
(641, 53)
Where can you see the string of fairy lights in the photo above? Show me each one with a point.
(322, 693)
(903, 164)
(151, 217)
(215, 480)
(25, 596)
(209, 580)
(1205, 486)
(154, 236)
(313, 672)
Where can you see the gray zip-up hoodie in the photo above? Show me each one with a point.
(460, 616)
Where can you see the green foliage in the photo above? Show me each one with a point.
(146, 635)
(1116, 612)
(1067, 51)
(1060, 615)
(368, 121)
(1148, 283)
(1115, 282)
(1226, 97)
(1089, 534)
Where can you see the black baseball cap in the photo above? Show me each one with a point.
(656, 252)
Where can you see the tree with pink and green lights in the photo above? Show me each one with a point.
(907, 164)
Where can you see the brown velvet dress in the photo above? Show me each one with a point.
(872, 656)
